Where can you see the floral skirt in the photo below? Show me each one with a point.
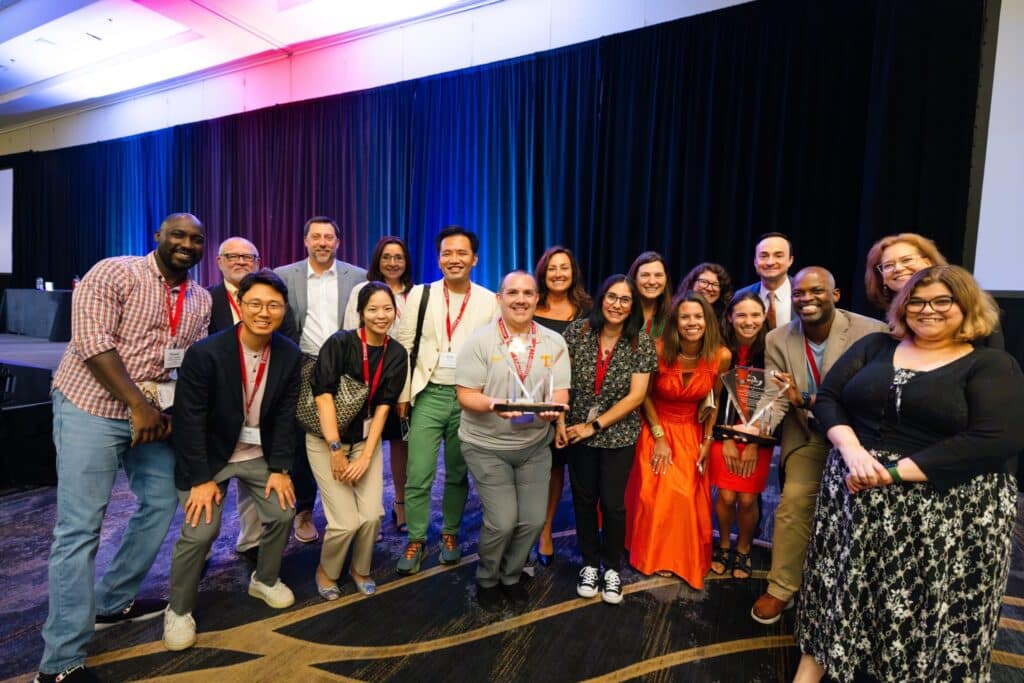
(904, 582)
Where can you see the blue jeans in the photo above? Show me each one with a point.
(89, 451)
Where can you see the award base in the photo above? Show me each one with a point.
(528, 407)
(722, 432)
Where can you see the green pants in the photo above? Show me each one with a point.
(435, 417)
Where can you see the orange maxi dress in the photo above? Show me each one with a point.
(668, 516)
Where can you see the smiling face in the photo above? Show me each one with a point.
(456, 258)
(180, 243)
(898, 262)
(617, 303)
(772, 260)
(237, 258)
(379, 313)
(747, 319)
(814, 296)
(707, 283)
(518, 300)
(558, 275)
(321, 244)
(690, 321)
(262, 309)
(929, 324)
(392, 262)
(651, 279)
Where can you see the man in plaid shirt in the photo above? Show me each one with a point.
(132, 317)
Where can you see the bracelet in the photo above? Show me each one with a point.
(894, 473)
(657, 432)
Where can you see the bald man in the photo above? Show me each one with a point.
(802, 352)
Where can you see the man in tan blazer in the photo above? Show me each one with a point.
(802, 352)
(455, 309)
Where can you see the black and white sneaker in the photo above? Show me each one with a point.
(139, 610)
(587, 586)
(611, 591)
(76, 674)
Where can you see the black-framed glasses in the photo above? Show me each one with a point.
(244, 258)
(939, 304)
(707, 284)
(255, 306)
(613, 298)
(888, 267)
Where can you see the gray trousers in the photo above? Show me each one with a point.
(513, 489)
(191, 548)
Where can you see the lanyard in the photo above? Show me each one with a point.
(366, 365)
(812, 363)
(264, 357)
(448, 324)
(601, 367)
(175, 311)
(507, 338)
(234, 304)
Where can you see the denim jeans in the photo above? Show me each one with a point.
(89, 451)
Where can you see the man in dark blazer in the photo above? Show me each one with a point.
(773, 257)
(318, 291)
(236, 258)
(234, 414)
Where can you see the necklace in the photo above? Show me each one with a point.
(685, 357)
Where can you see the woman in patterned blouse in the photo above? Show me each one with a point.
(612, 361)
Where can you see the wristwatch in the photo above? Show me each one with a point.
(334, 446)
(805, 399)
(596, 426)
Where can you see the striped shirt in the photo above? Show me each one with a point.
(121, 305)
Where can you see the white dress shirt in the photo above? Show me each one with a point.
(321, 309)
(783, 302)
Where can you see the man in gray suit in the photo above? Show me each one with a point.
(318, 291)
(801, 353)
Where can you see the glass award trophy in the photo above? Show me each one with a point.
(753, 399)
(530, 395)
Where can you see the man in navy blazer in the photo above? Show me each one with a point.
(318, 291)
(234, 417)
(773, 257)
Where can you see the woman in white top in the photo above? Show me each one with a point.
(390, 264)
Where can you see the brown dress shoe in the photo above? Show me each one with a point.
(305, 531)
(768, 609)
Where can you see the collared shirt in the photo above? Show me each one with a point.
(321, 308)
(121, 305)
(783, 302)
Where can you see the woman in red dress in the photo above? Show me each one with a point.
(668, 501)
(739, 471)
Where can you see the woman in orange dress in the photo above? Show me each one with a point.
(668, 499)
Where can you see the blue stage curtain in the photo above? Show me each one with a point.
(833, 121)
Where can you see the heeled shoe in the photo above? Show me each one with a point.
(545, 560)
(403, 527)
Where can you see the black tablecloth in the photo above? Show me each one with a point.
(37, 314)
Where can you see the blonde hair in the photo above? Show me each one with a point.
(981, 315)
(877, 292)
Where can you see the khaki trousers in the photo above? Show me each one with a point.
(795, 515)
(353, 511)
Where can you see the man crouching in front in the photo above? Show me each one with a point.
(234, 412)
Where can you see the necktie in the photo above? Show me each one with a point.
(770, 313)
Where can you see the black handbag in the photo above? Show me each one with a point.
(349, 400)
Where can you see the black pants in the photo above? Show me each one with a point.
(600, 474)
(302, 475)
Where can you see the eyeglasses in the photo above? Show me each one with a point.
(613, 299)
(903, 262)
(707, 284)
(244, 258)
(396, 258)
(255, 306)
(939, 304)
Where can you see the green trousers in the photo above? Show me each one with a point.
(435, 417)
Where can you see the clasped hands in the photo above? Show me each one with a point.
(349, 471)
(865, 472)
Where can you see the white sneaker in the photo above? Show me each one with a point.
(611, 592)
(179, 630)
(278, 596)
(587, 586)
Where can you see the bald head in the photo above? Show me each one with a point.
(815, 296)
(820, 272)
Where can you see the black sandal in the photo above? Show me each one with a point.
(742, 563)
(721, 556)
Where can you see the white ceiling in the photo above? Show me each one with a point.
(57, 56)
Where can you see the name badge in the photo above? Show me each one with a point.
(173, 358)
(447, 360)
(250, 435)
(366, 427)
(592, 413)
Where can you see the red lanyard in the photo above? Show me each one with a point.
(647, 327)
(264, 357)
(175, 311)
(448, 324)
(507, 338)
(812, 363)
(601, 367)
(366, 365)
(234, 304)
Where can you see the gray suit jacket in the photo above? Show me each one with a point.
(785, 352)
(294, 275)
